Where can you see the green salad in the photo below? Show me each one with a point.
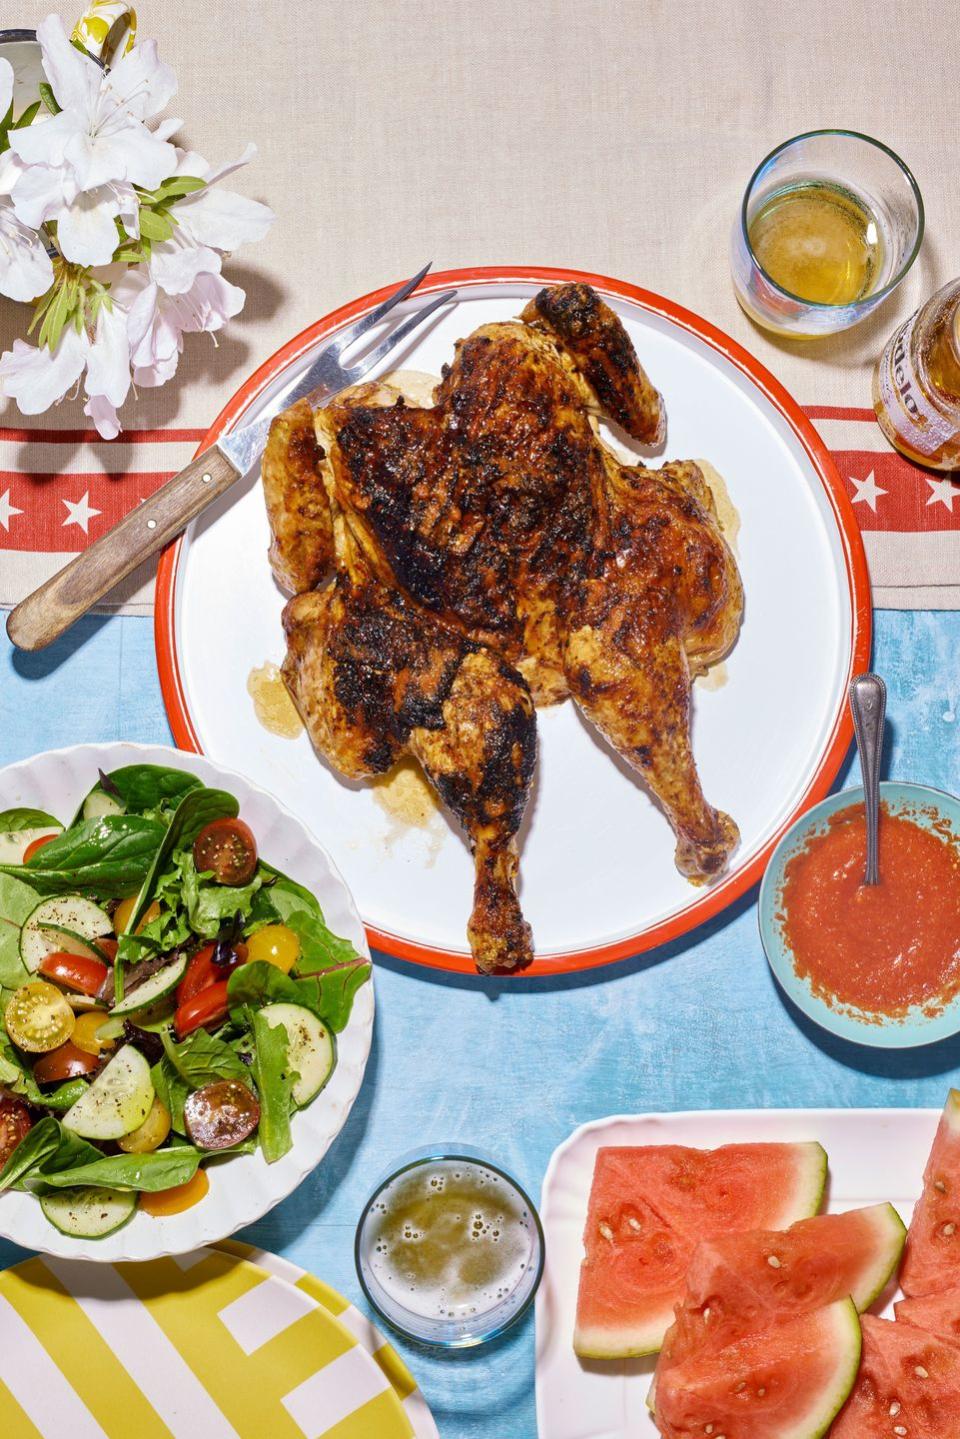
(168, 999)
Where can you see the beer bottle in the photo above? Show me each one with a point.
(916, 385)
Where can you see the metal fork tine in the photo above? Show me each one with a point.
(390, 342)
(368, 321)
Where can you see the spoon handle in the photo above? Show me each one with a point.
(868, 701)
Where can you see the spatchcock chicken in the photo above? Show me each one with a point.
(456, 564)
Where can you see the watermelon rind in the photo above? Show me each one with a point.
(891, 1236)
(810, 1187)
(839, 1334)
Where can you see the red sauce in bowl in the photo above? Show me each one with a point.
(879, 949)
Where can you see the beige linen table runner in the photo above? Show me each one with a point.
(606, 135)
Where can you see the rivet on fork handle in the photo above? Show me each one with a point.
(868, 701)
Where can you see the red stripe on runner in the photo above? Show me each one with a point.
(838, 412)
(77, 437)
(891, 494)
(61, 514)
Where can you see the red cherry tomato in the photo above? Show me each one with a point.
(108, 948)
(36, 844)
(75, 971)
(201, 972)
(15, 1122)
(228, 849)
(67, 1062)
(204, 1010)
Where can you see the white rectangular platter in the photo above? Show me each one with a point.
(874, 1155)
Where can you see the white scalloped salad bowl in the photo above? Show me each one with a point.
(245, 1187)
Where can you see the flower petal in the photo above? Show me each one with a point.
(40, 193)
(36, 378)
(103, 415)
(6, 86)
(176, 263)
(140, 82)
(75, 78)
(222, 219)
(86, 232)
(211, 302)
(168, 127)
(213, 173)
(25, 267)
(108, 360)
(122, 152)
(45, 141)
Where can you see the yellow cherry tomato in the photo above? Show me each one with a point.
(277, 944)
(85, 1034)
(150, 1134)
(123, 911)
(180, 1197)
(38, 1017)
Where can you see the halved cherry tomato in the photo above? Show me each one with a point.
(207, 1008)
(85, 1035)
(38, 1017)
(108, 948)
(36, 844)
(221, 1114)
(67, 1062)
(150, 1134)
(180, 1197)
(123, 911)
(228, 849)
(200, 974)
(75, 971)
(277, 944)
(15, 1122)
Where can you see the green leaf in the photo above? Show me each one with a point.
(109, 857)
(48, 97)
(176, 187)
(14, 820)
(172, 1092)
(154, 226)
(286, 902)
(203, 1058)
(330, 996)
(38, 1144)
(198, 807)
(17, 900)
(17, 1077)
(274, 1081)
(28, 116)
(147, 788)
(65, 1095)
(162, 1169)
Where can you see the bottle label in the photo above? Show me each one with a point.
(910, 412)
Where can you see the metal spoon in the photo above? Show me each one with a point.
(868, 701)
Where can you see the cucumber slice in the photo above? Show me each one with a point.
(88, 1213)
(311, 1048)
(156, 987)
(73, 943)
(118, 1100)
(98, 803)
(14, 843)
(64, 922)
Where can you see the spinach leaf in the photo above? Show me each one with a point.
(14, 820)
(286, 902)
(202, 1058)
(330, 995)
(47, 1149)
(149, 788)
(161, 1169)
(198, 807)
(17, 900)
(109, 857)
(16, 1076)
(172, 1092)
(274, 1082)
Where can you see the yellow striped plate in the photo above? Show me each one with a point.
(198, 1344)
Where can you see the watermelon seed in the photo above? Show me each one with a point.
(773, 1261)
(706, 1316)
(761, 1391)
(708, 1428)
(894, 1409)
(938, 1184)
(606, 1231)
(635, 1224)
(899, 1429)
(740, 1387)
(948, 1230)
(920, 1372)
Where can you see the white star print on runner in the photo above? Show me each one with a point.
(80, 512)
(942, 492)
(7, 510)
(868, 491)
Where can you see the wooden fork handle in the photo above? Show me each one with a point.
(44, 615)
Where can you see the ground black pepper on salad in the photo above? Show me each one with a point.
(168, 998)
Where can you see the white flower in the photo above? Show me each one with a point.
(157, 322)
(25, 267)
(37, 377)
(79, 167)
(208, 221)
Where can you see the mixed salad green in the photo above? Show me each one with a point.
(168, 998)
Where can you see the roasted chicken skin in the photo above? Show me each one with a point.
(491, 552)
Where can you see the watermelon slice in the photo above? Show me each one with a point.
(744, 1282)
(909, 1385)
(789, 1382)
(651, 1206)
(938, 1314)
(932, 1260)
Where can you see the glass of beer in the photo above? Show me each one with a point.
(449, 1248)
(830, 223)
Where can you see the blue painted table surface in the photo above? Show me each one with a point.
(514, 1067)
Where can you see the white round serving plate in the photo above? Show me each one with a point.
(598, 880)
(244, 1188)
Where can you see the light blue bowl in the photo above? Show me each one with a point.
(927, 807)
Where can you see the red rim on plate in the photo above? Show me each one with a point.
(710, 902)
